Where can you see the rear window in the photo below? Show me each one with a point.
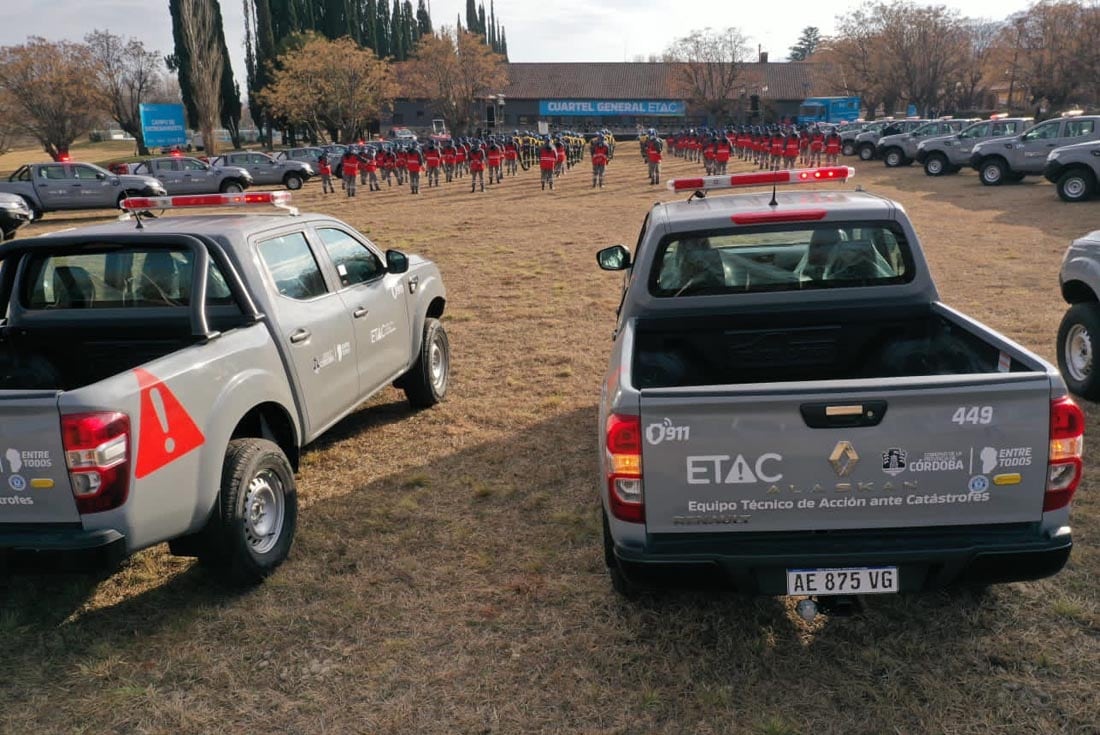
(130, 278)
(775, 258)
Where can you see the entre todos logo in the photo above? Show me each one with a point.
(666, 432)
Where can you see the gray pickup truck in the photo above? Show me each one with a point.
(267, 170)
(900, 149)
(1074, 170)
(790, 409)
(187, 175)
(867, 140)
(1012, 158)
(158, 383)
(54, 187)
(947, 154)
(1079, 279)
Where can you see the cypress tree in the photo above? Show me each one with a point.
(384, 49)
(481, 20)
(409, 27)
(370, 25)
(471, 17)
(423, 19)
(397, 38)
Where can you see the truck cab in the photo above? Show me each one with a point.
(1012, 158)
(947, 154)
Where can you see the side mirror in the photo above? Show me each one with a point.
(614, 258)
(396, 261)
(100, 175)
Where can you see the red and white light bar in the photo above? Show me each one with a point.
(764, 178)
(275, 198)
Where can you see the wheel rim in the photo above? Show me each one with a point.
(1074, 187)
(1078, 353)
(893, 159)
(438, 364)
(992, 174)
(935, 166)
(264, 508)
(865, 153)
(848, 150)
(294, 183)
(233, 188)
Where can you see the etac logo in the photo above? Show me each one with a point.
(666, 432)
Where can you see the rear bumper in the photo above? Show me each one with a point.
(62, 545)
(925, 560)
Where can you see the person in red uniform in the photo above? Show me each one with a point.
(324, 168)
(790, 150)
(559, 146)
(386, 161)
(414, 162)
(722, 153)
(399, 168)
(708, 155)
(600, 152)
(495, 157)
(462, 150)
(511, 156)
(477, 158)
(548, 160)
(432, 161)
(368, 164)
(817, 147)
(653, 148)
(449, 154)
(832, 148)
(349, 167)
(777, 145)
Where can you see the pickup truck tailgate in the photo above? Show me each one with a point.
(949, 451)
(34, 482)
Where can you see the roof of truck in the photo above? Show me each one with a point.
(836, 204)
(211, 225)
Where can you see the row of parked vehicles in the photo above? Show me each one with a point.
(1065, 150)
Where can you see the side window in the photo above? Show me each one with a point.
(354, 262)
(1043, 132)
(53, 173)
(257, 158)
(238, 159)
(84, 173)
(978, 131)
(292, 266)
(1077, 128)
(190, 165)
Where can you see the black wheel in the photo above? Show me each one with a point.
(259, 512)
(936, 164)
(232, 186)
(1077, 335)
(893, 157)
(866, 152)
(993, 172)
(1076, 185)
(619, 582)
(848, 149)
(425, 384)
(292, 182)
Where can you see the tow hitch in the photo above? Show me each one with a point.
(839, 606)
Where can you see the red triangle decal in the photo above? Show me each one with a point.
(167, 431)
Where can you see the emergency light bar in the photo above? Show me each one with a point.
(764, 178)
(279, 199)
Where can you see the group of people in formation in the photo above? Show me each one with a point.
(767, 147)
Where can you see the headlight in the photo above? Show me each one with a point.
(19, 206)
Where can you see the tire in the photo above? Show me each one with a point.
(293, 182)
(36, 212)
(936, 165)
(231, 186)
(425, 384)
(1076, 185)
(866, 152)
(1077, 335)
(993, 172)
(893, 158)
(125, 195)
(619, 582)
(259, 513)
(848, 149)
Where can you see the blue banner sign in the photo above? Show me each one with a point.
(598, 108)
(162, 125)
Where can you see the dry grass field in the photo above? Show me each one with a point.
(448, 576)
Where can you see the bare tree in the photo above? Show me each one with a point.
(708, 69)
(199, 28)
(454, 72)
(983, 49)
(127, 75)
(46, 83)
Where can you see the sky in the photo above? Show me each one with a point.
(578, 30)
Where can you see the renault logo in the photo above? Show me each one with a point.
(843, 459)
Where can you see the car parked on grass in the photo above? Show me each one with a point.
(307, 154)
(1074, 170)
(267, 170)
(789, 408)
(1079, 333)
(900, 149)
(53, 187)
(159, 383)
(866, 142)
(14, 213)
(947, 154)
(1011, 159)
(187, 175)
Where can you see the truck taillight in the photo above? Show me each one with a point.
(97, 452)
(1067, 445)
(624, 468)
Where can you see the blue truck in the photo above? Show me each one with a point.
(828, 110)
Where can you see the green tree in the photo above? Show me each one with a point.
(471, 18)
(806, 44)
(397, 35)
(423, 19)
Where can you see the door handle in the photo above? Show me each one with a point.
(843, 415)
(360, 312)
(414, 281)
(299, 335)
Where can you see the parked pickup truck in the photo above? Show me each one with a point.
(52, 187)
(158, 383)
(901, 149)
(949, 153)
(186, 175)
(1074, 170)
(1079, 331)
(14, 213)
(1012, 158)
(790, 409)
(267, 170)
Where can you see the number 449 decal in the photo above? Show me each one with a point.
(973, 415)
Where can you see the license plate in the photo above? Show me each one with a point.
(856, 581)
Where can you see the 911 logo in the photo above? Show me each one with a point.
(666, 432)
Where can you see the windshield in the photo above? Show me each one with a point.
(777, 258)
